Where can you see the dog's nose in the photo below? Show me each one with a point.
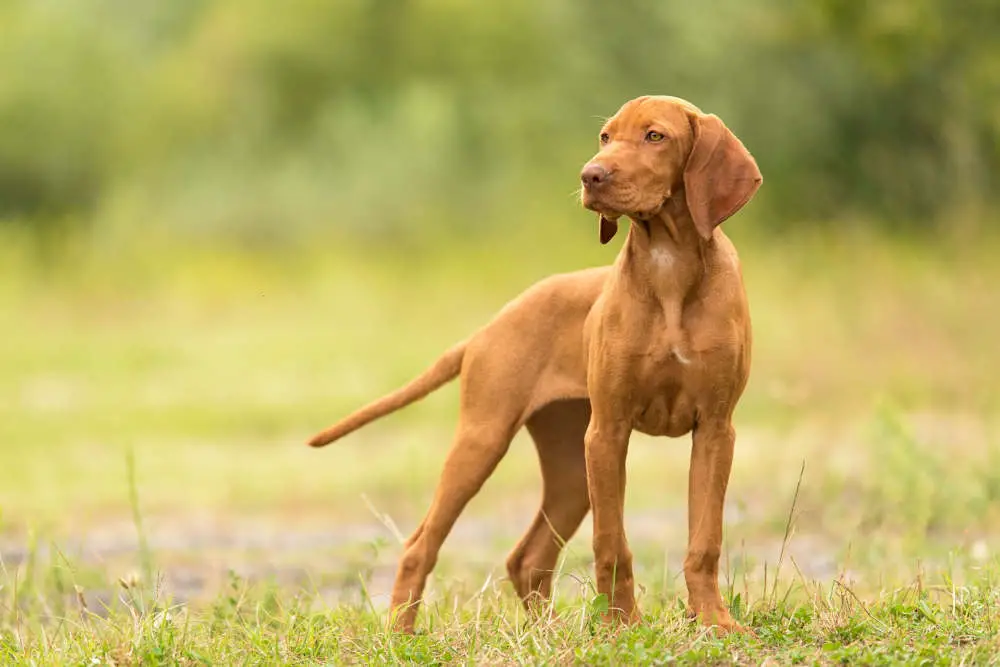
(593, 175)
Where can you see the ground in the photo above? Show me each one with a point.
(157, 502)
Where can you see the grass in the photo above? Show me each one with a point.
(247, 625)
(933, 620)
(157, 504)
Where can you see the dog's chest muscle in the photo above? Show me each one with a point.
(670, 372)
(664, 376)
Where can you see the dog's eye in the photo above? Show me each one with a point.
(605, 138)
(653, 135)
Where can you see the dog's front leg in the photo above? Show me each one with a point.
(606, 445)
(711, 461)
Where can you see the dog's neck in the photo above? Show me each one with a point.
(663, 256)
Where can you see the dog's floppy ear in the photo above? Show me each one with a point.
(608, 229)
(721, 175)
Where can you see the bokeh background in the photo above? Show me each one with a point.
(225, 223)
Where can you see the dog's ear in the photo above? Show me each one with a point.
(721, 175)
(608, 229)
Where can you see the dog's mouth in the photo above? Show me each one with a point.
(599, 203)
(590, 200)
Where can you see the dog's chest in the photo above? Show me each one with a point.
(670, 373)
(664, 386)
(670, 413)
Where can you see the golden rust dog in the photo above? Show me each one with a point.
(658, 342)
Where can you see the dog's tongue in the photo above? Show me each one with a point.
(608, 229)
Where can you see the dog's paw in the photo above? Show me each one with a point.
(720, 621)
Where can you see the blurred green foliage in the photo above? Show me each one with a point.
(266, 121)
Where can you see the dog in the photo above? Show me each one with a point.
(658, 342)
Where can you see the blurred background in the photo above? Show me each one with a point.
(224, 224)
(382, 119)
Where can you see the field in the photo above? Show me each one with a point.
(158, 505)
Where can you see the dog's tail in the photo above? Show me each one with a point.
(445, 369)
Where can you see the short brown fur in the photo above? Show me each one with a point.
(658, 342)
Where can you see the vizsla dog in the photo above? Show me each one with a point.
(658, 342)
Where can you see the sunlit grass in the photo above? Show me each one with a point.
(211, 365)
(938, 617)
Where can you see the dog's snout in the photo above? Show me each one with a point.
(594, 175)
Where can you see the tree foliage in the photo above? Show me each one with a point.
(252, 118)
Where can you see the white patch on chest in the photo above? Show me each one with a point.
(662, 257)
(679, 356)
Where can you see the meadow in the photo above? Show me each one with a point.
(223, 226)
(158, 504)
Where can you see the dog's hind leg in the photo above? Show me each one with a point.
(558, 431)
(483, 436)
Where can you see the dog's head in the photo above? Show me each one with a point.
(656, 147)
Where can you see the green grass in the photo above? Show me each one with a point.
(933, 620)
(160, 396)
